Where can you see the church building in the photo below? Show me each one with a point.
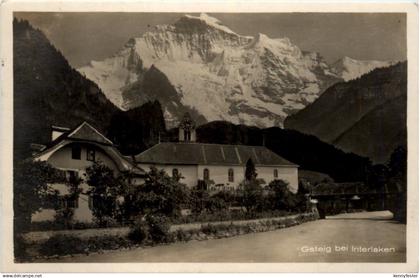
(219, 166)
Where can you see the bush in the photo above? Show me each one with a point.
(228, 196)
(105, 243)
(229, 215)
(75, 225)
(281, 196)
(160, 194)
(159, 226)
(64, 217)
(139, 232)
(215, 204)
(251, 195)
(62, 245)
(181, 235)
(209, 229)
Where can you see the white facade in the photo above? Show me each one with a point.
(220, 174)
(73, 157)
(62, 159)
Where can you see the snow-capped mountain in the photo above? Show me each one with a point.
(199, 65)
(349, 69)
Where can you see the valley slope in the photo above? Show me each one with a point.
(366, 116)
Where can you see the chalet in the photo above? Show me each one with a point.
(223, 165)
(73, 150)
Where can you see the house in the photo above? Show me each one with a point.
(223, 165)
(73, 150)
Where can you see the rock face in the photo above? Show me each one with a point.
(201, 66)
(366, 116)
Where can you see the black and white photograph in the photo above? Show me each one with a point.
(210, 137)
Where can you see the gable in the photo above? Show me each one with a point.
(86, 132)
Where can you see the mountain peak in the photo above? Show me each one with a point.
(209, 21)
(206, 67)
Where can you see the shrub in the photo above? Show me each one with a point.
(228, 196)
(215, 204)
(64, 217)
(62, 245)
(281, 196)
(106, 243)
(181, 235)
(251, 195)
(159, 226)
(208, 229)
(139, 232)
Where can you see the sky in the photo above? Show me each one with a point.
(83, 37)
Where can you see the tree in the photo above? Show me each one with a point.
(31, 188)
(160, 194)
(250, 171)
(397, 163)
(378, 176)
(252, 195)
(250, 189)
(64, 215)
(198, 199)
(105, 189)
(281, 196)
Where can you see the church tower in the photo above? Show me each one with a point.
(187, 129)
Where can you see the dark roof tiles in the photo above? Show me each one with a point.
(215, 154)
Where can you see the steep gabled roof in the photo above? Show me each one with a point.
(88, 134)
(210, 154)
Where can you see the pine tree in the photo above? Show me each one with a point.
(250, 172)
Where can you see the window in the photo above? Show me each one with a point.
(206, 174)
(276, 173)
(90, 154)
(76, 152)
(175, 172)
(231, 176)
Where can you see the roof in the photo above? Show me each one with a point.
(88, 134)
(210, 154)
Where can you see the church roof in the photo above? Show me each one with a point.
(210, 154)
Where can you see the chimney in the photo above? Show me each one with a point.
(57, 131)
